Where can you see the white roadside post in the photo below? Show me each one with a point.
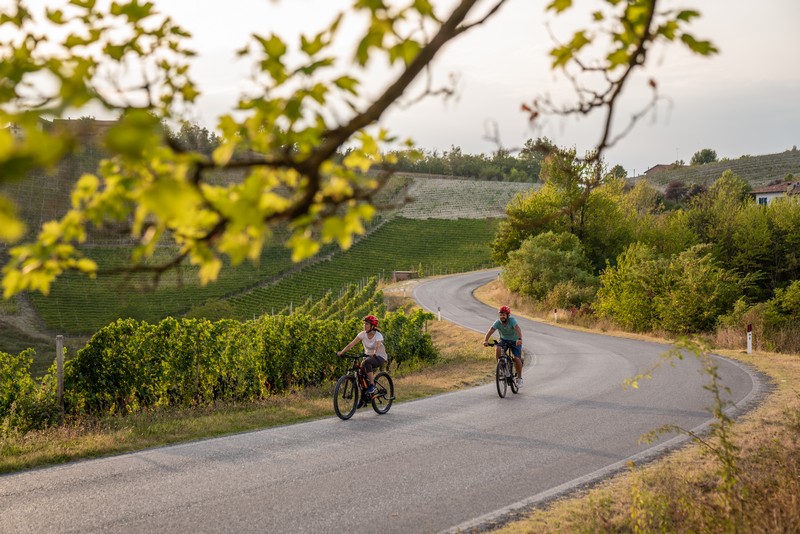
(749, 339)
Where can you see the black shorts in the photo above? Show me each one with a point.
(371, 362)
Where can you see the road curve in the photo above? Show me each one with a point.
(450, 462)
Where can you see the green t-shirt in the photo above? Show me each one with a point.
(507, 331)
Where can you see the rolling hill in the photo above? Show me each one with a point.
(757, 170)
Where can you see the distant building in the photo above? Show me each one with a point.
(86, 130)
(660, 168)
(765, 195)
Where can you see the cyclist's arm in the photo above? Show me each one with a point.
(519, 334)
(488, 335)
(349, 345)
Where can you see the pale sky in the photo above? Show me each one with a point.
(745, 100)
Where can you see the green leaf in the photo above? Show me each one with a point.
(11, 228)
(347, 83)
(311, 47)
(704, 48)
(55, 15)
(424, 8)
(618, 57)
(559, 6)
(136, 12)
(561, 56)
(687, 15)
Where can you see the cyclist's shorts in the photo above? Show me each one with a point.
(516, 350)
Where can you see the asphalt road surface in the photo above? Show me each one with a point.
(452, 462)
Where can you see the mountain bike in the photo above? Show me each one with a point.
(352, 388)
(506, 373)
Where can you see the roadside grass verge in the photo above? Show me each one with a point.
(462, 364)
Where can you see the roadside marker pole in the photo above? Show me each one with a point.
(749, 339)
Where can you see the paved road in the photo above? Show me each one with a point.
(445, 463)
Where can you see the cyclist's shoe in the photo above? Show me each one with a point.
(372, 390)
(361, 403)
(519, 382)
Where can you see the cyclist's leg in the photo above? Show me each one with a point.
(516, 354)
(369, 365)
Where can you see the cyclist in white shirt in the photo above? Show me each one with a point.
(374, 350)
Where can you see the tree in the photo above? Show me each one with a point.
(676, 191)
(628, 288)
(546, 260)
(284, 140)
(701, 157)
(534, 152)
(698, 290)
(618, 171)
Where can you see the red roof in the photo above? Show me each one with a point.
(786, 187)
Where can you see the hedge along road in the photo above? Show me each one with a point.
(450, 462)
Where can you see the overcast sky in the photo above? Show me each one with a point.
(745, 100)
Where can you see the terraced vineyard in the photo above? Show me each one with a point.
(78, 305)
(433, 246)
(758, 170)
(440, 198)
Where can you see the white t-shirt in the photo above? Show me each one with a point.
(372, 347)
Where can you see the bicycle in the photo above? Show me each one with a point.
(352, 387)
(506, 373)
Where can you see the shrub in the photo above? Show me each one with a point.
(16, 385)
(627, 289)
(24, 403)
(545, 260)
(569, 295)
(696, 293)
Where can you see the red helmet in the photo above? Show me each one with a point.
(504, 309)
(371, 319)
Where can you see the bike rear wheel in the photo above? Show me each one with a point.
(384, 397)
(500, 378)
(345, 397)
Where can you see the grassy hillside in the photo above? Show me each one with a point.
(77, 304)
(758, 170)
(437, 246)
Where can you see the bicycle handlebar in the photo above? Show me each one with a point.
(494, 342)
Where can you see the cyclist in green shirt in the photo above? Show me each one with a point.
(510, 335)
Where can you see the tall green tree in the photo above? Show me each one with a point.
(701, 157)
(713, 214)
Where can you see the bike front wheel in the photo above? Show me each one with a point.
(512, 381)
(384, 396)
(500, 378)
(345, 397)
